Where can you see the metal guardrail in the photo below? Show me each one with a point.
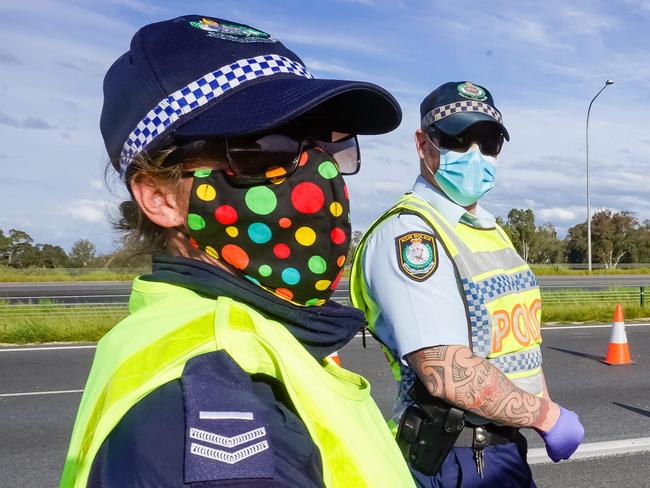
(35, 308)
(628, 295)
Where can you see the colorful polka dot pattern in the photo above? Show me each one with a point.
(290, 235)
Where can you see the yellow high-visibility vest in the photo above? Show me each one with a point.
(501, 294)
(169, 325)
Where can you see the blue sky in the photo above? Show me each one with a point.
(542, 61)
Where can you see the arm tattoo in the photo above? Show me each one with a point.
(472, 383)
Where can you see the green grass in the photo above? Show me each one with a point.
(50, 322)
(591, 306)
(592, 312)
(8, 274)
(558, 269)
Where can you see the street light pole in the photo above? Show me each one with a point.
(607, 83)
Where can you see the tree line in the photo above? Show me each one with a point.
(617, 237)
(18, 250)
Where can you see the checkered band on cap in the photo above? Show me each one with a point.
(200, 92)
(440, 113)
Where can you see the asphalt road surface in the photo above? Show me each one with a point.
(118, 292)
(40, 388)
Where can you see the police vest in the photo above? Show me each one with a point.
(169, 325)
(501, 296)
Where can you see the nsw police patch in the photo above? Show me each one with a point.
(417, 255)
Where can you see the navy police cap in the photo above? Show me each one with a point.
(197, 77)
(456, 105)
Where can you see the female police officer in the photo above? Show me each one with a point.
(233, 155)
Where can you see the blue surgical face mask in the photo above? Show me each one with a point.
(465, 177)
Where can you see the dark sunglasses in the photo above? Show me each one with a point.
(488, 139)
(266, 157)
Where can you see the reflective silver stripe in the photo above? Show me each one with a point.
(209, 415)
(518, 361)
(532, 384)
(471, 263)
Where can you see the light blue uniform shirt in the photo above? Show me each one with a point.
(417, 314)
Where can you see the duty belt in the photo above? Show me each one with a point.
(478, 437)
(482, 436)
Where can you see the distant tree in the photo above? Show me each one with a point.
(640, 244)
(121, 258)
(576, 243)
(612, 238)
(611, 232)
(5, 243)
(19, 250)
(547, 248)
(520, 227)
(357, 235)
(82, 254)
(51, 256)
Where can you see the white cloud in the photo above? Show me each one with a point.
(316, 65)
(97, 184)
(560, 214)
(91, 211)
(334, 41)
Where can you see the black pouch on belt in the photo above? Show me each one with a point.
(428, 430)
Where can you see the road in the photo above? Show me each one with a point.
(118, 292)
(40, 390)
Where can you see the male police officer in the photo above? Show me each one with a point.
(454, 305)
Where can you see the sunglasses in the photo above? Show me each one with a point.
(488, 139)
(262, 158)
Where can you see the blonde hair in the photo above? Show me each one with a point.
(142, 237)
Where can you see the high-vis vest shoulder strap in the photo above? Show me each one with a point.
(172, 325)
(501, 295)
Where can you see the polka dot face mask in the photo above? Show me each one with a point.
(289, 235)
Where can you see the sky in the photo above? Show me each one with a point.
(542, 61)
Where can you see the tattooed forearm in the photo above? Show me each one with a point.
(472, 383)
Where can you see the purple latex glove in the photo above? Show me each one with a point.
(564, 437)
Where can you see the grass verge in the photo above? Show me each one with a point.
(48, 322)
(52, 322)
(68, 274)
(8, 274)
(593, 312)
(557, 270)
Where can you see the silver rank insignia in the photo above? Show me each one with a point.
(417, 255)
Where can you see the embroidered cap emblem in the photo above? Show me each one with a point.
(472, 91)
(232, 32)
(417, 255)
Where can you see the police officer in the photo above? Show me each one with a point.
(219, 376)
(454, 305)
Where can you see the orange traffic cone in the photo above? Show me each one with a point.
(618, 351)
(335, 357)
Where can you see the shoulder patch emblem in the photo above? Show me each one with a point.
(417, 255)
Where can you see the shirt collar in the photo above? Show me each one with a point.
(451, 211)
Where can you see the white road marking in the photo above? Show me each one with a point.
(93, 346)
(593, 450)
(595, 326)
(558, 327)
(31, 393)
(53, 348)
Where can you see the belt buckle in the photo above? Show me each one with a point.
(480, 439)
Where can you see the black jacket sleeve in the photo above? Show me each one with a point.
(213, 427)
